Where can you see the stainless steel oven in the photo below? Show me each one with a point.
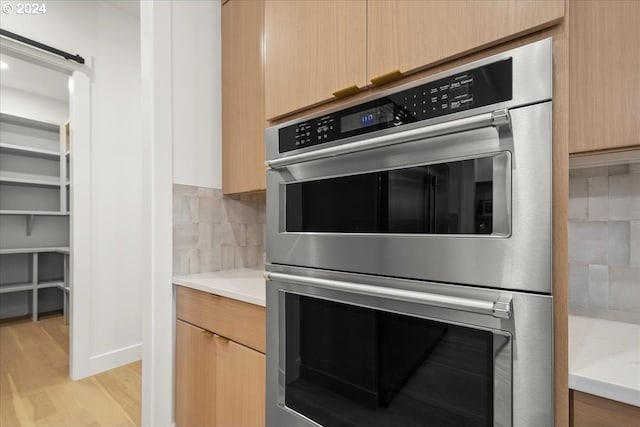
(409, 254)
(352, 350)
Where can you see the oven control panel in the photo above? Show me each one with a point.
(478, 87)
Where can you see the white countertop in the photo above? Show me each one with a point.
(243, 284)
(604, 356)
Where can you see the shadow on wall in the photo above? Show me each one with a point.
(604, 237)
(214, 232)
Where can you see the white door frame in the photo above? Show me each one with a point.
(80, 364)
(158, 318)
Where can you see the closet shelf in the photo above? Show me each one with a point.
(28, 212)
(50, 284)
(35, 180)
(19, 287)
(60, 249)
(28, 151)
(30, 122)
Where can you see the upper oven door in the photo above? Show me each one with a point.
(465, 201)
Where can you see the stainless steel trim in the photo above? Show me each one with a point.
(500, 309)
(495, 118)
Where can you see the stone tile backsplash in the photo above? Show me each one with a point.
(604, 237)
(214, 232)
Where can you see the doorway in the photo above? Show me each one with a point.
(41, 116)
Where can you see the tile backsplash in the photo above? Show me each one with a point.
(604, 237)
(214, 232)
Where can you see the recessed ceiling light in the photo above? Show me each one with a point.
(3, 65)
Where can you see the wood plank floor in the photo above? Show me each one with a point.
(35, 388)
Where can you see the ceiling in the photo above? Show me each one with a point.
(130, 7)
(34, 79)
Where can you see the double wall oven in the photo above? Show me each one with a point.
(409, 254)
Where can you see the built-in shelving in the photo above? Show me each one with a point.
(34, 184)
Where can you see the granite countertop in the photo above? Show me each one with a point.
(243, 284)
(604, 355)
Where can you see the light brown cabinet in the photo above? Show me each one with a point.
(195, 376)
(314, 48)
(240, 385)
(243, 119)
(317, 50)
(588, 410)
(406, 35)
(220, 361)
(604, 91)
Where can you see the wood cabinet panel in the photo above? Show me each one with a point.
(408, 35)
(592, 411)
(240, 385)
(240, 321)
(243, 119)
(604, 75)
(313, 49)
(195, 376)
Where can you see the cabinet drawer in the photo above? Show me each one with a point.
(588, 410)
(239, 321)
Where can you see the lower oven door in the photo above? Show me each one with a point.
(354, 351)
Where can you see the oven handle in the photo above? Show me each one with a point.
(495, 118)
(502, 308)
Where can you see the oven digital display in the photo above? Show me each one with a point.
(366, 118)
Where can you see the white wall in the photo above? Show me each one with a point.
(181, 99)
(196, 86)
(21, 103)
(110, 42)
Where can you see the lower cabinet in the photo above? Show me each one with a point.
(195, 376)
(219, 382)
(588, 410)
(240, 385)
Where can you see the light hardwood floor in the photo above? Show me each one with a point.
(35, 388)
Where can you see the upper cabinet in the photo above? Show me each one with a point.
(407, 35)
(243, 119)
(604, 75)
(315, 50)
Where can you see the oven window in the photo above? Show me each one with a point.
(446, 198)
(350, 366)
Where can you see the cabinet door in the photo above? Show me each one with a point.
(588, 410)
(240, 386)
(406, 35)
(604, 75)
(243, 120)
(195, 376)
(314, 48)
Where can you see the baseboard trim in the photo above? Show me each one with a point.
(110, 360)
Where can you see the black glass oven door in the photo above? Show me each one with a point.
(350, 366)
(455, 197)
